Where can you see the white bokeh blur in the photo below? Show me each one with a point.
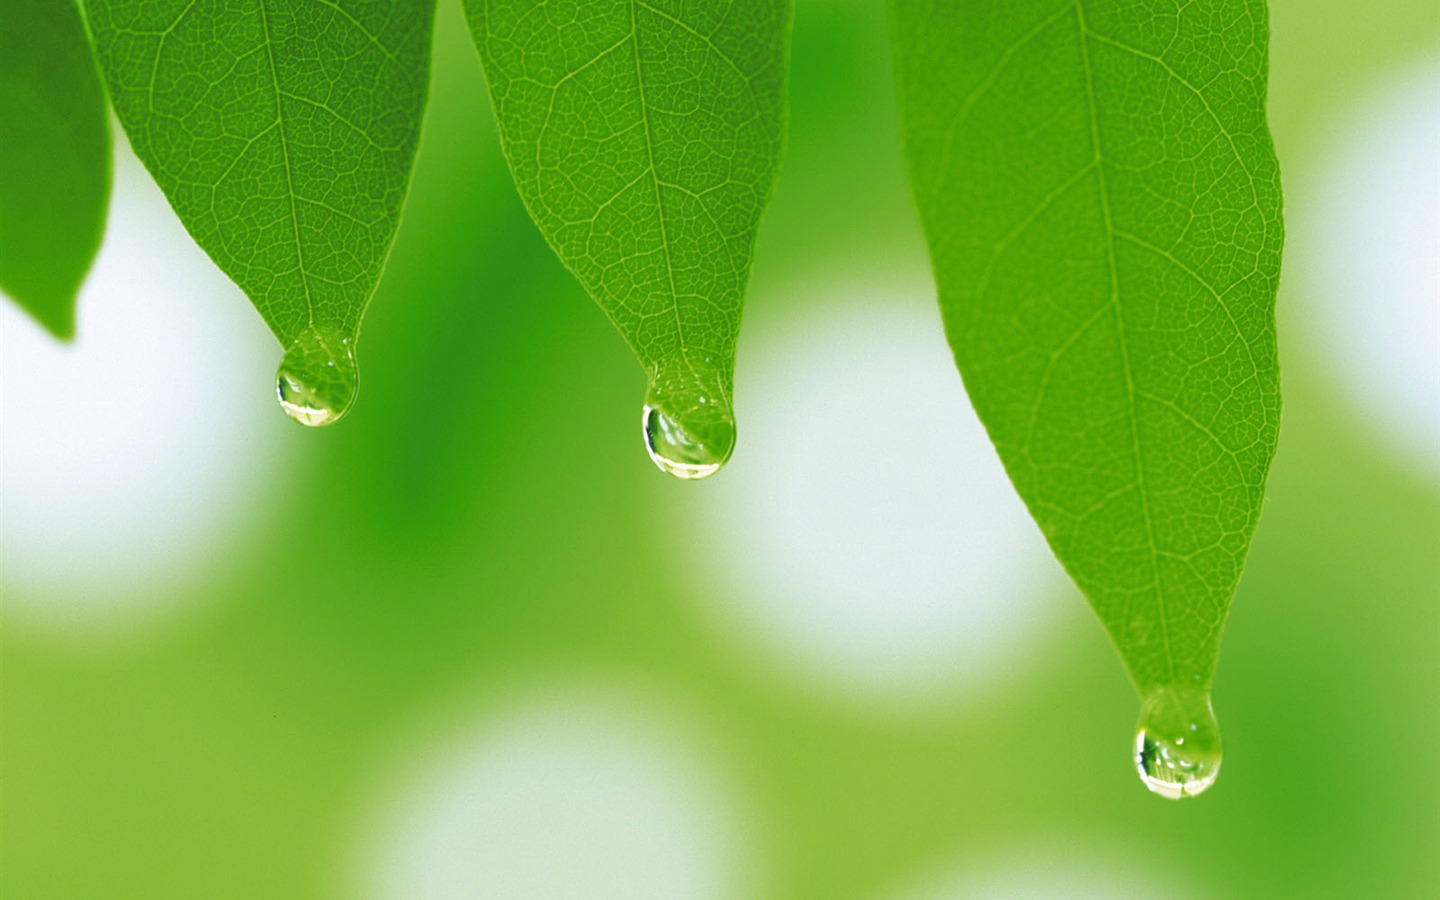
(1373, 262)
(865, 531)
(130, 457)
(568, 794)
(1060, 871)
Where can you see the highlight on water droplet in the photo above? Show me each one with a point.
(689, 428)
(1177, 743)
(318, 378)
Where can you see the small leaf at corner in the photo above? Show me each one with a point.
(54, 159)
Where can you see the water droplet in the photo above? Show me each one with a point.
(689, 429)
(1177, 744)
(684, 450)
(318, 378)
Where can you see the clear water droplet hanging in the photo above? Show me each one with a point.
(687, 422)
(1177, 742)
(318, 378)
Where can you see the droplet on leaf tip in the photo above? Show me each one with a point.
(686, 449)
(688, 427)
(318, 378)
(1177, 743)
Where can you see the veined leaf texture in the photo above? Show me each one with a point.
(645, 137)
(283, 135)
(1102, 204)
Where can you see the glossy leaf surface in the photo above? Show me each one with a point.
(283, 134)
(1102, 204)
(644, 137)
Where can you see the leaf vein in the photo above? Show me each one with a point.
(289, 172)
(1120, 329)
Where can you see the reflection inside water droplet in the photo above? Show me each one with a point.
(689, 428)
(1177, 744)
(687, 450)
(318, 378)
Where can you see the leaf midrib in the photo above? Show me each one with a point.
(1099, 164)
(655, 179)
(289, 172)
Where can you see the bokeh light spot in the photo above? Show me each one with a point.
(133, 455)
(866, 530)
(1097, 874)
(571, 795)
(1374, 261)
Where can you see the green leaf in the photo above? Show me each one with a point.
(54, 159)
(283, 133)
(1102, 204)
(644, 137)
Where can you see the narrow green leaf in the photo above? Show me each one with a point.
(283, 134)
(644, 137)
(1102, 204)
(54, 159)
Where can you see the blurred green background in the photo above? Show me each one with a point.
(469, 643)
